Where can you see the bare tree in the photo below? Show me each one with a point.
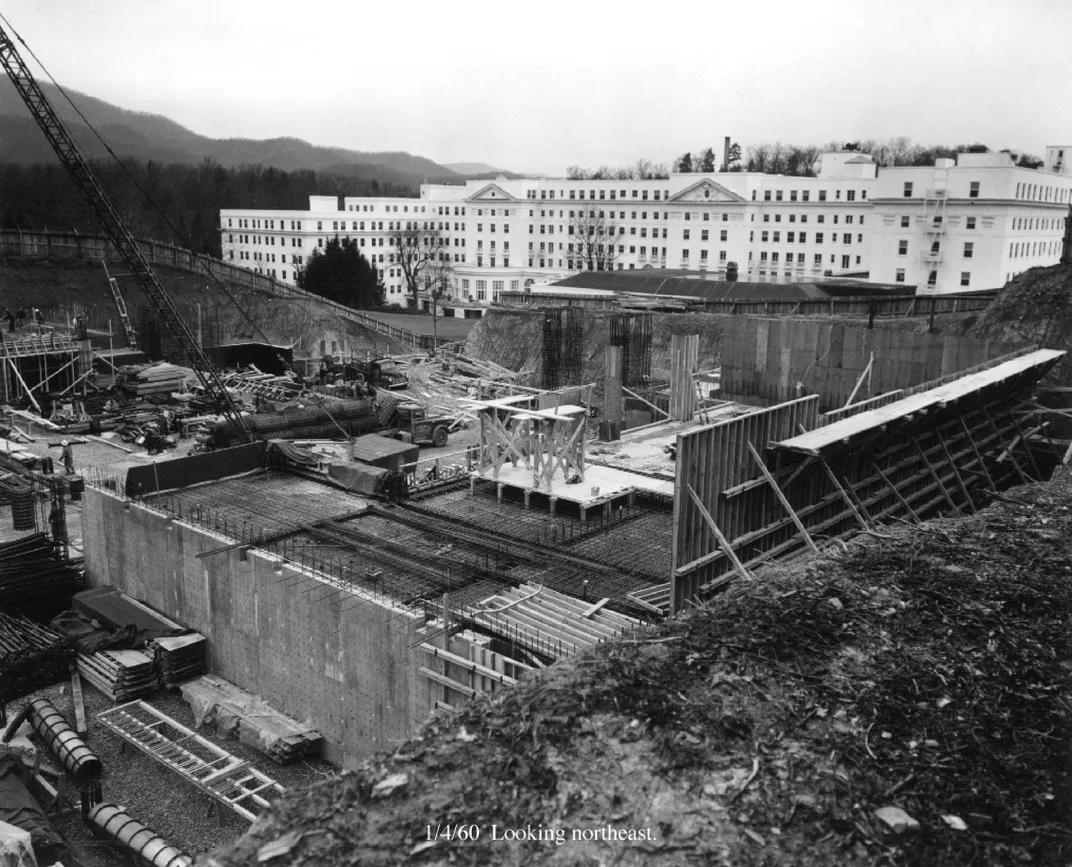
(419, 246)
(594, 239)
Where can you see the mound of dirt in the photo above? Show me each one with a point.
(1035, 307)
(922, 668)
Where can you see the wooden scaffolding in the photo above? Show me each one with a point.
(37, 364)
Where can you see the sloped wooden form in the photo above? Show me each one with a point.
(781, 480)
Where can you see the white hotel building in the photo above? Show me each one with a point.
(968, 224)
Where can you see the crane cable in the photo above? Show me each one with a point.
(130, 177)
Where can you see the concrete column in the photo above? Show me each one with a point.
(611, 427)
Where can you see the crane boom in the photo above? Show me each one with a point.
(78, 167)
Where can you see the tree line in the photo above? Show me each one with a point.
(41, 196)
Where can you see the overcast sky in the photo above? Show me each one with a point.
(539, 86)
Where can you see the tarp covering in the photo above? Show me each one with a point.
(359, 478)
(113, 609)
(18, 808)
(290, 452)
(190, 470)
(16, 850)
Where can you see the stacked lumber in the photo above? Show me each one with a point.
(31, 657)
(161, 378)
(249, 718)
(179, 658)
(122, 675)
(33, 580)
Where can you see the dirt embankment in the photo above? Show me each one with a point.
(514, 339)
(923, 668)
(245, 315)
(1035, 307)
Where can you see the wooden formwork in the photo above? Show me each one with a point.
(745, 495)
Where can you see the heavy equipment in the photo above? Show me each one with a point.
(77, 166)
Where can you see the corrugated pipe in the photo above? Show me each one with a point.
(78, 760)
(147, 847)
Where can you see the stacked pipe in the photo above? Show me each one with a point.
(31, 657)
(354, 416)
(147, 848)
(33, 580)
(78, 760)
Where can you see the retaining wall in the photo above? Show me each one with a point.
(344, 662)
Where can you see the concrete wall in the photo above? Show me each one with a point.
(342, 661)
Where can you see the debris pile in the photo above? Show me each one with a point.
(31, 656)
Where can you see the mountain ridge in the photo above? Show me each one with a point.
(151, 136)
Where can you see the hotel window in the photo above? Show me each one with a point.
(685, 235)
(790, 237)
(902, 248)
(822, 195)
(777, 237)
(973, 193)
(818, 259)
(904, 222)
(969, 248)
(766, 195)
(777, 195)
(763, 237)
(818, 237)
(803, 237)
(850, 195)
(805, 196)
(724, 235)
(703, 234)
(965, 278)
(969, 224)
(900, 275)
(792, 195)
(703, 257)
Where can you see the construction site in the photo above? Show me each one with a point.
(590, 586)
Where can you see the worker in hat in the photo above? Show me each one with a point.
(68, 458)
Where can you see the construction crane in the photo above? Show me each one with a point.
(121, 306)
(78, 167)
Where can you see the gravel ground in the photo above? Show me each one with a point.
(154, 795)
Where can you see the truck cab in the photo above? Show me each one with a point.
(415, 425)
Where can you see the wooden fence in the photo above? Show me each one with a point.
(764, 360)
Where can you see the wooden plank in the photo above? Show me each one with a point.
(592, 609)
(79, 704)
(737, 565)
(781, 497)
(842, 492)
(447, 682)
(934, 475)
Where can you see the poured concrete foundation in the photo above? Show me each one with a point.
(346, 662)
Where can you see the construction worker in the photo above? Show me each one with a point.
(10, 317)
(20, 316)
(68, 458)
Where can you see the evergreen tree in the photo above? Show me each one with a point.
(707, 161)
(339, 272)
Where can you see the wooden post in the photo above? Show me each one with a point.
(684, 351)
(978, 456)
(1001, 439)
(781, 497)
(722, 541)
(934, 475)
(896, 493)
(956, 473)
(611, 427)
(844, 495)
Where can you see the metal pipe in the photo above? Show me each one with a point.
(63, 742)
(148, 848)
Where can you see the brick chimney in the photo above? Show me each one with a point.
(726, 154)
